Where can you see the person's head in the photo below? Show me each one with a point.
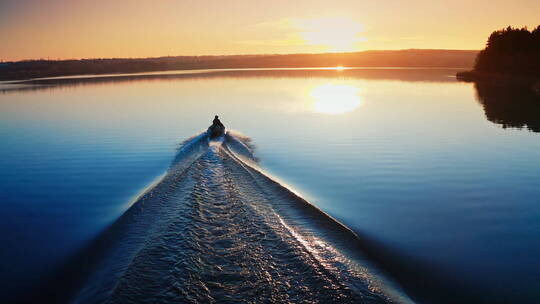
(216, 117)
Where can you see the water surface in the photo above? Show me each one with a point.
(439, 179)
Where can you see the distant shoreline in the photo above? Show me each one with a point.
(511, 57)
(31, 69)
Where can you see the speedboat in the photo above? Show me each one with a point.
(216, 130)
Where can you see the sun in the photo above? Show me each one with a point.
(335, 34)
(335, 99)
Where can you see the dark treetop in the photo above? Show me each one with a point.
(511, 51)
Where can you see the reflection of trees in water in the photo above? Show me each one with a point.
(509, 105)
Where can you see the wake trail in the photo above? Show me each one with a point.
(216, 229)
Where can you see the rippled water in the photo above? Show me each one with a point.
(216, 229)
(437, 179)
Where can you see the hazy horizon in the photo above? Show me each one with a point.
(239, 55)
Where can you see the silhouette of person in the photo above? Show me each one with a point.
(217, 122)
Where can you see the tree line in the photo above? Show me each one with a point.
(511, 51)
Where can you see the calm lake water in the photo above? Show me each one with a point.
(439, 178)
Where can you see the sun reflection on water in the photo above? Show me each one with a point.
(335, 99)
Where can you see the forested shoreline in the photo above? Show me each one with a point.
(511, 54)
(28, 69)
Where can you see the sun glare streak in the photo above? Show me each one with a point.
(335, 99)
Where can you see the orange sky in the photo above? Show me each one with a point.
(53, 29)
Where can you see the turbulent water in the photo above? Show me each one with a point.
(215, 228)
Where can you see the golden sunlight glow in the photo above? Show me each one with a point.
(335, 99)
(336, 34)
(143, 28)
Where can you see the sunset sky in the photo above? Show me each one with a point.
(31, 29)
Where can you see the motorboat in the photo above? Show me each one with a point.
(217, 129)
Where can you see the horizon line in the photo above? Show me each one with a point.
(234, 55)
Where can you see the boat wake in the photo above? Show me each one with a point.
(216, 228)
